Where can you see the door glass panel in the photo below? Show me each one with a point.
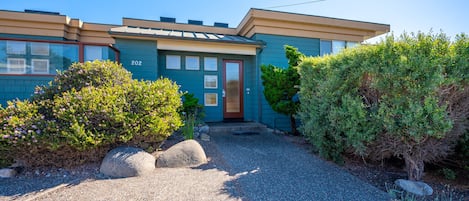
(232, 88)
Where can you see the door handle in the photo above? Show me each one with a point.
(223, 94)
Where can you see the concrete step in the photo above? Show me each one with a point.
(237, 128)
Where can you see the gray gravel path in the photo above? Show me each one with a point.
(254, 167)
(270, 168)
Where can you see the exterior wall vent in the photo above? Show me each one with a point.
(219, 24)
(41, 12)
(168, 19)
(195, 22)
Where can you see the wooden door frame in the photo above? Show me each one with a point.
(239, 115)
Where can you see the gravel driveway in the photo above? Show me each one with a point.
(241, 167)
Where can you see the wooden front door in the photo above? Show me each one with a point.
(233, 89)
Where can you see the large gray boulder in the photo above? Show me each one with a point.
(127, 162)
(415, 187)
(187, 153)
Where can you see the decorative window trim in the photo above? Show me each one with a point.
(208, 79)
(192, 63)
(210, 64)
(33, 66)
(207, 98)
(10, 65)
(21, 48)
(175, 64)
(40, 49)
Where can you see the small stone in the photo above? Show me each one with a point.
(204, 129)
(415, 187)
(7, 173)
(205, 137)
(196, 134)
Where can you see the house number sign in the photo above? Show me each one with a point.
(136, 63)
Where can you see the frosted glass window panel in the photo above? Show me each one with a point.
(210, 64)
(173, 62)
(40, 49)
(192, 63)
(211, 99)
(40, 66)
(210, 81)
(16, 65)
(16, 47)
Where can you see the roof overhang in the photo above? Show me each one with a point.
(190, 41)
(309, 26)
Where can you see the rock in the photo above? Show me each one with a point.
(127, 162)
(188, 153)
(204, 129)
(415, 187)
(205, 137)
(196, 134)
(7, 173)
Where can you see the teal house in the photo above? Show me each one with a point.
(218, 63)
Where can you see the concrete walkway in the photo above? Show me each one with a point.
(266, 167)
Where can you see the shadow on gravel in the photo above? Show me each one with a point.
(266, 167)
(16, 187)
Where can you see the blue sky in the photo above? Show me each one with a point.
(451, 16)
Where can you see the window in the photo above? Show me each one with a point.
(210, 81)
(93, 52)
(211, 99)
(40, 66)
(210, 63)
(192, 63)
(337, 46)
(351, 44)
(326, 47)
(173, 62)
(16, 47)
(16, 65)
(40, 49)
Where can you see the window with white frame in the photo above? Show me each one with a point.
(16, 65)
(211, 99)
(40, 49)
(210, 63)
(40, 66)
(210, 81)
(16, 47)
(192, 63)
(173, 62)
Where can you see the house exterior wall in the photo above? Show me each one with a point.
(192, 81)
(140, 57)
(20, 87)
(274, 53)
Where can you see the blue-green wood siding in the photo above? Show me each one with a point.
(274, 53)
(140, 57)
(192, 81)
(20, 87)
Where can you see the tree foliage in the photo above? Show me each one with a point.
(403, 97)
(281, 85)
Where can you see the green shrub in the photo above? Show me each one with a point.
(81, 123)
(403, 97)
(281, 85)
(192, 113)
